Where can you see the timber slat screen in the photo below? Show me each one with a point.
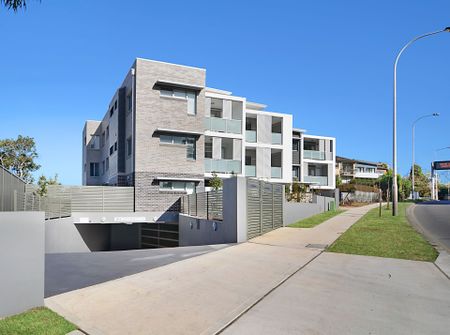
(61, 201)
(264, 207)
(205, 205)
(12, 191)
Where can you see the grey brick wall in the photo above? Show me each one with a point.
(153, 159)
(149, 198)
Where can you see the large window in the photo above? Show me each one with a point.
(188, 141)
(177, 186)
(129, 101)
(95, 142)
(208, 147)
(129, 146)
(94, 169)
(188, 95)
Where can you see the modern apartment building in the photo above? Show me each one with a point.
(167, 134)
(348, 169)
(313, 160)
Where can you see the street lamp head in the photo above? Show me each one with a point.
(435, 114)
(447, 29)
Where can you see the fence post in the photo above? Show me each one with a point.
(207, 205)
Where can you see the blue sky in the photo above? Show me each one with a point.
(329, 63)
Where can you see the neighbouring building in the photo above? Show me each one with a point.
(167, 134)
(313, 160)
(348, 169)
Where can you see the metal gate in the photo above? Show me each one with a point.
(264, 207)
(159, 235)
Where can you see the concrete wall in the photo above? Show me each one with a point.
(194, 231)
(295, 211)
(21, 261)
(62, 235)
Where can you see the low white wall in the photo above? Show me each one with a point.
(295, 211)
(21, 261)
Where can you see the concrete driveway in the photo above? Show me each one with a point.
(72, 271)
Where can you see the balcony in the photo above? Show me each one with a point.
(312, 154)
(250, 136)
(276, 138)
(250, 170)
(223, 125)
(317, 180)
(276, 172)
(222, 166)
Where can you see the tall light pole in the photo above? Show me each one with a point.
(413, 132)
(394, 142)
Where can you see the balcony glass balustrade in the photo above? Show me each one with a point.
(250, 136)
(276, 138)
(312, 154)
(222, 166)
(250, 170)
(276, 172)
(223, 125)
(317, 180)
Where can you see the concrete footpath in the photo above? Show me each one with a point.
(272, 284)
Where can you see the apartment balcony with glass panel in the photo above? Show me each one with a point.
(316, 180)
(313, 154)
(276, 163)
(250, 129)
(227, 166)
(250, 162)
(223, 125)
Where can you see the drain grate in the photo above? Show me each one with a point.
(317, 246)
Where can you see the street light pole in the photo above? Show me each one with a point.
(394, 144)
(413, 134)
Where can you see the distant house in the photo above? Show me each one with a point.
(348, 169)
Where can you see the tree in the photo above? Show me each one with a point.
(18, 156)
(405, 188)
(215, 182)
(421, 182)
(14, 4)
(43, 184)
(338, 181)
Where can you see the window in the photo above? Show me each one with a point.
(188, 141)
(115, 146)
(129, 101)
(208, 147)
(295, 145)
(111, 150)
(95, 142)
(111, 111)
(103, 139)
(107, 132)
(189, 95)
(129, 146)
(107, 163)
(191, 104)
(296, 172)
(94, 169)
(103, 167)
(177, 186)
(115, 104)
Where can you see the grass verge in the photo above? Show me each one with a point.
(315, 219)
(385, 236)
(36, 321)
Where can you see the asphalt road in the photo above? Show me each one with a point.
(433, 217)
(71, 271)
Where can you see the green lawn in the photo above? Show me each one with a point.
(36, 321)
(315, 219)
(385, 236)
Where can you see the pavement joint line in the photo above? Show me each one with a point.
(279, 246)
(443, 272)
(237, 317)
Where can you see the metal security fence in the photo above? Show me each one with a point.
(264, 207)
(61, 201)
(206, 205)
(12, 191)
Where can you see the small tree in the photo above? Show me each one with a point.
(19, 155)
(43, 184)
(215, 182)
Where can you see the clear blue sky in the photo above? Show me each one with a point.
(329, 63)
